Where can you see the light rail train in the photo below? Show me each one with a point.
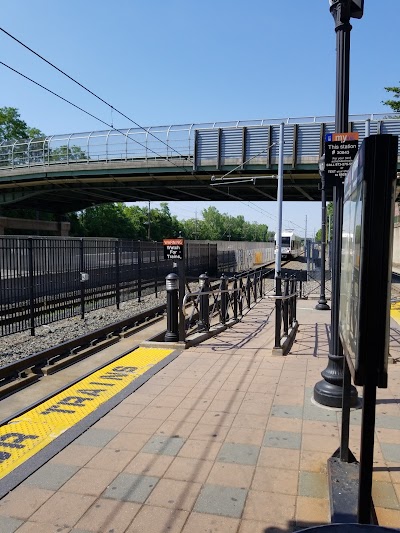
(291, 244)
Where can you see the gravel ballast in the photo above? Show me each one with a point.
(20, 345)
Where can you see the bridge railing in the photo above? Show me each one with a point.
(215, 144)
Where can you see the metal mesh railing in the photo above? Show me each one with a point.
(171, 142)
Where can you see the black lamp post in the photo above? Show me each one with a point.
(322, 305)
(329, 391)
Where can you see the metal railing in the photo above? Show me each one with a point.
(179, 141)
(285, 312)
(45, 279)
(219, 301)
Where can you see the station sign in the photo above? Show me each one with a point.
(173, 248)
(340, 151)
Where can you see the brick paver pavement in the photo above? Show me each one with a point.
(224, 439)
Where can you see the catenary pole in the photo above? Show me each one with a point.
(280, 201)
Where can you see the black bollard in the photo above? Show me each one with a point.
(204, 318)
(172, 285)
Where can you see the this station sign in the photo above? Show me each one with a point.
(340, 151)
(173, 248)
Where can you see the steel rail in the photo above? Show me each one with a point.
(35, 362)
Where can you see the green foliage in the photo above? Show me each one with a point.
(119, 220)
(107, 220)
(131, 222)
(329, 227)
(65, 153)
(125, 222)
(216, 226)
(12, 127)
(163, 224)
(393, 104)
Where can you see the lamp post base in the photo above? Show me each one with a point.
(330, 395)
(322, 305)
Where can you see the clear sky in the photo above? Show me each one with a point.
(188, 61)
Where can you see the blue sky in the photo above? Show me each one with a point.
(185, 61)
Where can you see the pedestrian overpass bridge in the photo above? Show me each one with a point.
(69, 172)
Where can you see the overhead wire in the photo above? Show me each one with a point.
(91, 115)
(260, 210)
(111, 199)
(113, 108)
(91, 92)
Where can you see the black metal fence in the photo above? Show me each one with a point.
(285, 312)
(217, 301)
(45, 279)
(214, 303)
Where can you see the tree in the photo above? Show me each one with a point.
(67, 153)
(217, 226)
(394, 104)
(163, 224)
(329, 224)
(106, 220)
(12, 127)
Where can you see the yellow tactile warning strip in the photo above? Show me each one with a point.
(395, 311)
(26, 435)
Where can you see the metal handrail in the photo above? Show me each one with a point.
(283, 297)
(239, 296)
(17, 153)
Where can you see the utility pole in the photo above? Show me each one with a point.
(280, 201)
(148, 224)
(305, 242)
(322, 305)
(195, 233)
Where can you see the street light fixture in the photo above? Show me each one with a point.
(322, 305)
(354, 8)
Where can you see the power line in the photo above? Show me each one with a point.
(91, 115)
(103, 122)
(115, 129)
(119, 112)
(92, 93)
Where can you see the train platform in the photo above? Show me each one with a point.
(224, 439)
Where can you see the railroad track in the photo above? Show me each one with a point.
(50, 308)
(24, 372)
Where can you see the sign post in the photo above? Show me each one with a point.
(340, 151)
(175, 249)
